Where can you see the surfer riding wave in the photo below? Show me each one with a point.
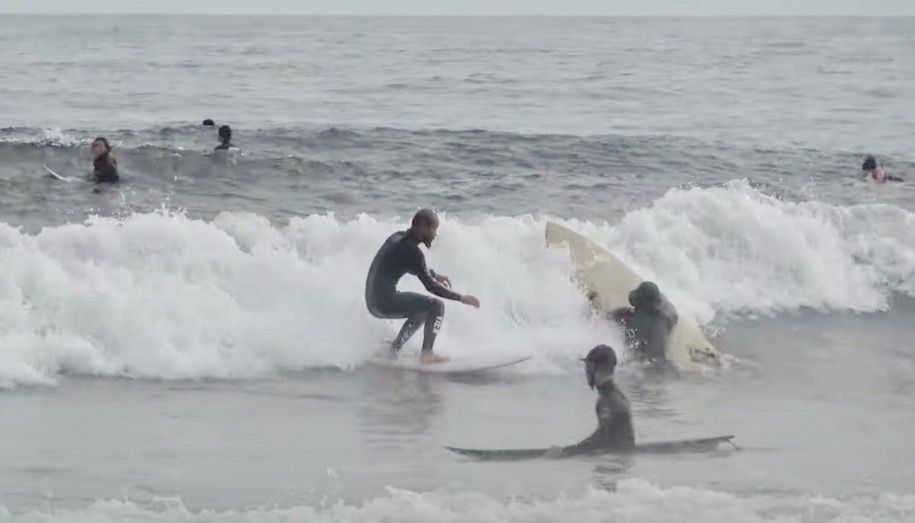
(400, 254)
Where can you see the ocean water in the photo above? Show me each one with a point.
(190, 345)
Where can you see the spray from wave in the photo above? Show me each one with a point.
(162, 296)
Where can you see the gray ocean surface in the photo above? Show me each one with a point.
(191, 344)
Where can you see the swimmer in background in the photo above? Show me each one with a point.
(225, 137)
(875, 173)
(105, 166)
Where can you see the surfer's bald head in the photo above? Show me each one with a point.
(424, 217)
(425, 226)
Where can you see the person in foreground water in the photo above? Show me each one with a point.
(105, 166)
(400, 254)
(614, 420)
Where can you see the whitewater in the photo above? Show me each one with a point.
(163, 296)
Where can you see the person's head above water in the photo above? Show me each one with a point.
(208, 123)
(425, 226)
(100, 147)
(599, 365)
(870, 163)
(225, 133)
(646, 294)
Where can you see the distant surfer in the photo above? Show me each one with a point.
(209, 123)
(225, 138)
(614, 419)
(648, 324)
(105, 166)
(875, 173)
(400, 254)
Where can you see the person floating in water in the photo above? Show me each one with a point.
(614, 419)
(875, 173)
(209, 123)
(400, 254)
(648, 324)
(106, 167)
(225, 137)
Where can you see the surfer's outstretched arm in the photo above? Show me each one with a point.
(607, 417)
(417, 265)
(588, 444)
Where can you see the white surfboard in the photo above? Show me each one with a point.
(604, 274)
(59, 177)
(456, 365)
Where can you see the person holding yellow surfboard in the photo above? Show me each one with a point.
(647, 324)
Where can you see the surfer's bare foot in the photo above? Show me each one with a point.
(428, 358)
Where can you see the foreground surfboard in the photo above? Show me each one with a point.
(659, 447)
(604, 274)
(456, 365)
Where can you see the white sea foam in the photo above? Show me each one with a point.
(634, 501)
(163, 296)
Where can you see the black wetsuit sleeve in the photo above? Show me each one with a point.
(417, 266)
(670, 314)
(607, 416)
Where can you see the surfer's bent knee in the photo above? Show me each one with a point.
(436, 307)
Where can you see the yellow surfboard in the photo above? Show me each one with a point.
(603, 274)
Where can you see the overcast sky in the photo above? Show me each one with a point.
(470, 7)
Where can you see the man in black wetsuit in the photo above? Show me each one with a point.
(648, 324)
(614, 420)
(399, 255)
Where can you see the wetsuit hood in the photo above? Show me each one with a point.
(600, 360)
(646, 294)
